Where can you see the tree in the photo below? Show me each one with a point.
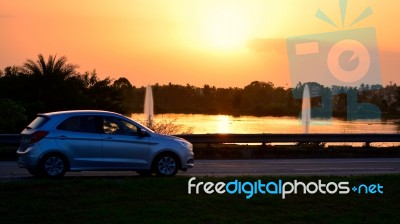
(257, 98)
(12, 116)
(12, 71)
(55, 82)
(126, 91)
(52, 69)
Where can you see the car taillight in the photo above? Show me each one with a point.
(37, 136)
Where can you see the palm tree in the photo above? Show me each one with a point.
(53, 83)
(53, 69)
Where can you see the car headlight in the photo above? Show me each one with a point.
(185, 144)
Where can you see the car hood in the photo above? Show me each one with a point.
(171, 137)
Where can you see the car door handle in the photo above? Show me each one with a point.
(108, 138)
(62, 137)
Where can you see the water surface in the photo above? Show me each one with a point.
(203, 124)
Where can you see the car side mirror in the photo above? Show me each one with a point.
(143, 133)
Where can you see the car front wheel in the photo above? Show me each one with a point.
(166, 165)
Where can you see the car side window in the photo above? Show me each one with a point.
(86, 124)
(133, 130)
(116, 126)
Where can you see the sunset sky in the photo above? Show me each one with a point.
(225, 43)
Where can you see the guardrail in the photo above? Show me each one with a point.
(10, 138)
(263, 138)
(289, 138)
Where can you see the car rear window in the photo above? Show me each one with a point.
(87, 124)
(38, 122)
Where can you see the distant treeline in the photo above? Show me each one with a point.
(53, 84)
(264, 99)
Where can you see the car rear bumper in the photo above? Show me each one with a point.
(27, 162)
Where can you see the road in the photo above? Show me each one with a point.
(319, 167)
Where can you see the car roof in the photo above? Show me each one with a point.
(57, 116)
(79, 112)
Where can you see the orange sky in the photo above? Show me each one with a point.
(184, 41)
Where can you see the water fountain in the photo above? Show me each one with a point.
(306, 110)
(149, 107)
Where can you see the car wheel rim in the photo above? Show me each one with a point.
(54, 166)
(166, 165)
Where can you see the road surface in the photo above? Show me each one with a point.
(320, 167)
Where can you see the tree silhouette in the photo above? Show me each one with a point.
(53, 69)
(54, 82)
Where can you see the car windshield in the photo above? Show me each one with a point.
(38, 122)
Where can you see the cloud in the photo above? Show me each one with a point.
(267, 45)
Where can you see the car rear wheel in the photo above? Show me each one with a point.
(166, 165)
(53, 166)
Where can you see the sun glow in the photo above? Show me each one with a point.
(226, 26)
(223, 124)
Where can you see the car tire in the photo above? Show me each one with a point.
(53, 166)
(166, 165)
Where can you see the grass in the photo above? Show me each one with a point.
(165, 200)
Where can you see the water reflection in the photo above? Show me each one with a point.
(223, 124)
(203, 124)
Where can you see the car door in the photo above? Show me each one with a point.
(80, 138)
(123, 148)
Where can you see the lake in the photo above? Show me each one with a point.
(202, 124)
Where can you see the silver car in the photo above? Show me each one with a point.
(57, 142)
